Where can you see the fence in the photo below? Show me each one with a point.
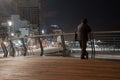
(101, 44)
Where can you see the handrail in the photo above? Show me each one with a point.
(102, 32)
(45, 35)
(97, 34)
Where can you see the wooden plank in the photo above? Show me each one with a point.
(58, 68)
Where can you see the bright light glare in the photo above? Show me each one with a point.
(9, 23)
(43, 31)
(99, 41)
(12, 34)
(19, 42)
(5, 42)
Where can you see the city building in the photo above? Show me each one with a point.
(30, 10)
(15, 24)
(25, 13)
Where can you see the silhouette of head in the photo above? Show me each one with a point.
(85, 20)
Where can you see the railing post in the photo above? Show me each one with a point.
(4, 49)
(25, 49)
(63, 45)
(41, 47)
(92, 46)
(12, 48)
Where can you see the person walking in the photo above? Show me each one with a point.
(83, 31)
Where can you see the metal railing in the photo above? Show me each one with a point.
(100, 43)
(106, 43)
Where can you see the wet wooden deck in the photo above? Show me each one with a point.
(58, 68)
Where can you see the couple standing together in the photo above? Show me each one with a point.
(83, 30)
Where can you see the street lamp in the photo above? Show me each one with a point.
(43, 31)
(9, 23)
(12, 34)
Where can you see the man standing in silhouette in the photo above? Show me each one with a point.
(83, 31)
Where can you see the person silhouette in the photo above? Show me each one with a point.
(83, 29)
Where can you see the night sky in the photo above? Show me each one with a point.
(102, 15)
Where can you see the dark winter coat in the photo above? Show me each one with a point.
(83, 30)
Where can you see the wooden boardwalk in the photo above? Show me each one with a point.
(58, 68)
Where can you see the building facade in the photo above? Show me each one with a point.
(30, 11)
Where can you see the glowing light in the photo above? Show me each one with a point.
(12, 34)
(5, 42)
(9, 23)
(43, 31)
